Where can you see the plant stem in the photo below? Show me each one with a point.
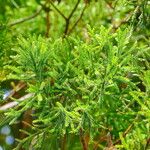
(57, 10)
(83, 142)
(26, 18)
(77, 21)
(63, 143)
(47, 23)
(69, 17)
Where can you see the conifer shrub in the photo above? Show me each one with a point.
(84, 94)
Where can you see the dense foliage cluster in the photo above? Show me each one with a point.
(75, 74)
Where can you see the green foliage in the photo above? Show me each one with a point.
(79, 85)
(90, 89)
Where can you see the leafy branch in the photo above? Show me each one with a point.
(47, 10)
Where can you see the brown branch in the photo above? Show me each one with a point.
(58, 10)
(69, 17)
(110, 5)
(125, 20)
(77, 21)
(63, 142)
(47, 23)
(124, 134)
(110, 145)
(109, 140)
(26, 18)
(126, 131)
(74, 9)
(147, 144)
(118, 141)
(101, 139)
(82, 139)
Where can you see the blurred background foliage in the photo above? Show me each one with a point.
(55, 19)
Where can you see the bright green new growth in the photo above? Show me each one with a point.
(82, 88)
